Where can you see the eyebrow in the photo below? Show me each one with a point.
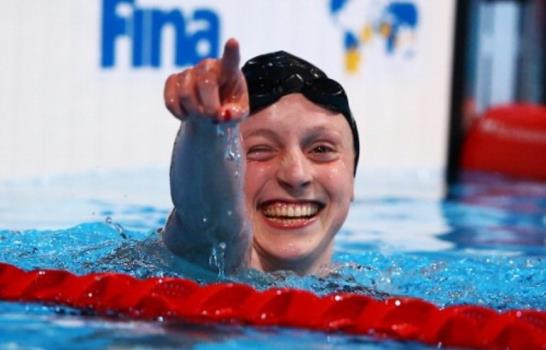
(261, 132)
(315, 132)
(322, 128)
(310, 134)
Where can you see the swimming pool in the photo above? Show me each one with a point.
(485, 245)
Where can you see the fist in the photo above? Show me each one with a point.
(214, 89)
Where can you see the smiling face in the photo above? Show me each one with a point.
(298, 183)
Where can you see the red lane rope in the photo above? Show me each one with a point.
(175, 298)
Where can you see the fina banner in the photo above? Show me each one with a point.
(81, 80)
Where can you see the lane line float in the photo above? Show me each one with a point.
(400, 318)
(510, 140)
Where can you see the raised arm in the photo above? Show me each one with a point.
(208, 225)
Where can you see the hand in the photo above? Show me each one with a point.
(214, 88)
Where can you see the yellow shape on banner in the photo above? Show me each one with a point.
(352, 60)
(385, 29)
(366, 34)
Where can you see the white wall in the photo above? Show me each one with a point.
(62, 113)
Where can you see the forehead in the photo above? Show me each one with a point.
(293, 114)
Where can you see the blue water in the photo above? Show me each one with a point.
(485, 244)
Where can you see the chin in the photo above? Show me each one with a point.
(295, 256)
(300, 257)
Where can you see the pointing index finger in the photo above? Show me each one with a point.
(230, 60)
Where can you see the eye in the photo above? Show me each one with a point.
(323, 149)
(323, 152)
(260, 152)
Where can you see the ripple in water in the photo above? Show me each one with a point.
(444, 278)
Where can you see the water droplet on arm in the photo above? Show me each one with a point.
(217, 258)
(220, 131)
(232, 152)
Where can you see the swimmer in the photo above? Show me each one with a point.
(262, 172)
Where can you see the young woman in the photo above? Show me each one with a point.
(263, 166)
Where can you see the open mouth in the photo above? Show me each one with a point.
(291, 214)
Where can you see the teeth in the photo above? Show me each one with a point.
(290, 210)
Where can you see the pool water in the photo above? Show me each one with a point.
(485, 244)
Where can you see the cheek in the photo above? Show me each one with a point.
(339, 182)
(343, 167)
(256, 176)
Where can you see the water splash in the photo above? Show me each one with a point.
(233, 147)
(119, 229)
(495, 279)
(217, 258)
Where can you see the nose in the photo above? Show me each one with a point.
(294, 173)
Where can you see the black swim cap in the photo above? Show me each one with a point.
(274, 75)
